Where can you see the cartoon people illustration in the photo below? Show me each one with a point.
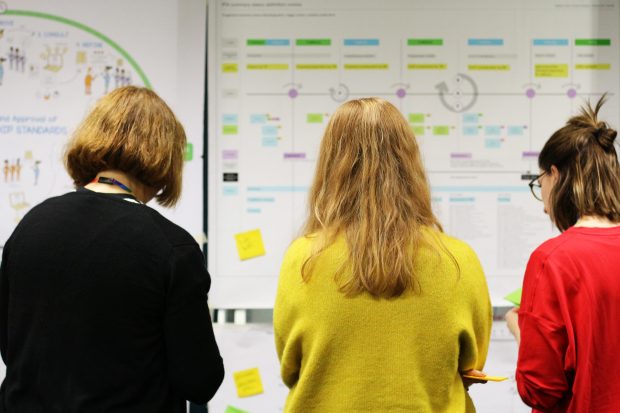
(20, 60)
(117, 77)
(12, 58)
(88, 81)
(106, 79)
(12, 169)
(5, 170)
(128, 78)
(2, 60)
(37, 170)
(18, 169)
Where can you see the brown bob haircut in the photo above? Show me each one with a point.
(589, 174)
(132, 130)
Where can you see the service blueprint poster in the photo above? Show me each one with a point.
(58, 57)
(483, 84)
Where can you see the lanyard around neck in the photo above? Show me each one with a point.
(112, 181)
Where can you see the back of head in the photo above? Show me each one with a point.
(370, 186)
(133, 130)
(583, 151)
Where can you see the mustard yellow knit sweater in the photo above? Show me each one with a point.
(362, 354)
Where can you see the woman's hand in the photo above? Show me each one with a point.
(512, 320)
(468, 381)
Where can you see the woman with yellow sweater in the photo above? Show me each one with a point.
(377, 309)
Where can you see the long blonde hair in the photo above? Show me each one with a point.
(370, 186)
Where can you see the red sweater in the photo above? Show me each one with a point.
(570, 324)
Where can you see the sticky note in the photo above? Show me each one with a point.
(250, 244)
(418, 130)
(515, 297)
(189, 152)
(314, 118)
(230, 68)
(441, 130)
(230, 409)
(248, 382)
(416, 118)
(487, 378)
(229, 129)
(551, 70)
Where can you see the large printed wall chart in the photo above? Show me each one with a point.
(56, 60)
(482, 87)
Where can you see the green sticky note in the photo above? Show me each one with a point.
(229, 129)
(418, 130)
(314, 118)
(189, 152)
(515, 297)
(416, 118)
(230, 409)
(441, 130)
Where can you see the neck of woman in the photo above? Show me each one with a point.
(593, 221)
(142, 192)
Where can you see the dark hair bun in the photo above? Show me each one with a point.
(605, 136)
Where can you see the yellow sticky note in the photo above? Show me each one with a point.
(551, 70)
(248, 382)
(230, 68)
(250, 244)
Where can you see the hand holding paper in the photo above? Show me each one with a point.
(484, 378)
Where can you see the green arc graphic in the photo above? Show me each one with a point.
(87, 29)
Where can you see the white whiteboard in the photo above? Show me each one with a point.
(483, 84)
(51, 47)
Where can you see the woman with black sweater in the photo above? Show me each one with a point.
(103, 301)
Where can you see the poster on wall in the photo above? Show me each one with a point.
(58, 57)
(481, 87)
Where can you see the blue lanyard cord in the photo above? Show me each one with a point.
(112, 181)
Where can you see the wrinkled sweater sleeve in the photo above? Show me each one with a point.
(287, 320)
(194, 364)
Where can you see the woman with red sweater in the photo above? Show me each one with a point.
(568, 324)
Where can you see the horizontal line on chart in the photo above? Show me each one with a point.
(493, 56)
(373, 94)
(453, 188)
(359, 56)
(400, 9)
(288, 55)
(523, 94)
(278, 188)
(523, 188)
(425, 94)
(475, 172)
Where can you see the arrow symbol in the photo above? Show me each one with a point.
(442, 88)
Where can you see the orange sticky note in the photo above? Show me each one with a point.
(248, 382)
(487, 378)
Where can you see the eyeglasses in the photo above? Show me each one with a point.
(536, 188)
